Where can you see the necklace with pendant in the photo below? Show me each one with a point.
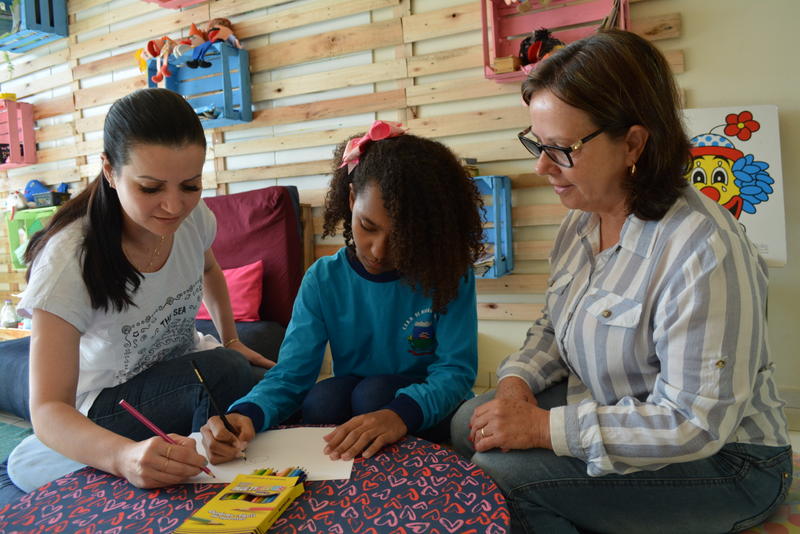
(156, 251)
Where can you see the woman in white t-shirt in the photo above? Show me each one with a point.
(114, 285)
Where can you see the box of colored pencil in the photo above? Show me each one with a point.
(249, 504)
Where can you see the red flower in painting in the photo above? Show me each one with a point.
(741, 125)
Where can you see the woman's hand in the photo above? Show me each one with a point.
(220, 444)
(365, 434)
(514, 387)
(154, 463)
(509, 423)
(252, 356)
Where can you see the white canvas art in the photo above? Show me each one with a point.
(736, 161)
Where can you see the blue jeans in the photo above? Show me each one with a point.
(170, 395)
(14, 377)
(733, 490)
(335, 400)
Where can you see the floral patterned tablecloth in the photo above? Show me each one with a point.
(412, 486)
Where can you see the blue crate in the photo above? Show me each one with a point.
(40, 22)
(497, 213)
(220, 94)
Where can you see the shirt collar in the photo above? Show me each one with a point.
(637, 236)
(352, 259)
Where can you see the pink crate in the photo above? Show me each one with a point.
(504, 27)
(175, 4)
(16, 134)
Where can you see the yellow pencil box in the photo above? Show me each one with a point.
(251, 503)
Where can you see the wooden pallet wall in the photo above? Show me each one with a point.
(415, 61)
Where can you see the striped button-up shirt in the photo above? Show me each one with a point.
(662, 337)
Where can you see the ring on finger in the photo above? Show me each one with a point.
(169, 451)
(483, 435)
(166, 462)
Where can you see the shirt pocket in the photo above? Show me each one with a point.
(610, 309)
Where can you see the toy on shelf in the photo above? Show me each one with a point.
(218, 30)
(161, 50)
(17, 140)
(26, 24)
(498, 258)
(14, 202)
(505, 27)
(219, 92)
(38, 195)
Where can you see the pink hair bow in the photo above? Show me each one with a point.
(355, 147)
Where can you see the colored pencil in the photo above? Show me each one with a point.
(149, 424)
(228, 426)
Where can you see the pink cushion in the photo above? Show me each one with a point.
(244, 287)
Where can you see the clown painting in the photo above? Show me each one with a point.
(736, 163)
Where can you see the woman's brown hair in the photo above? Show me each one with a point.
(619, 79)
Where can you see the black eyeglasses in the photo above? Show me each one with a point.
(559, 154)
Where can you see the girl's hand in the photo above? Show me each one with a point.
(252, 356)
(222, 445)
(154, 463)
(365, 434)
(509, 423)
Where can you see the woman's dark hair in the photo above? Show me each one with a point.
(144, 117)
(619, 79)
(432, 202)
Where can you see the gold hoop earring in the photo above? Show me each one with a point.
(633, 169)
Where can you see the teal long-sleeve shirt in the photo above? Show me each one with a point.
(376, 325)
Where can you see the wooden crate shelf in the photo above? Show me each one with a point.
(496, 216)
(504, 27)
(220, 94)
(17, 139)
(37, 22)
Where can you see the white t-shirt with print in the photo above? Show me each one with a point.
(116, 346)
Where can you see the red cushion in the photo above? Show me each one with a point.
(245, 289)
(261, 225)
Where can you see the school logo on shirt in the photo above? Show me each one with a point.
(422, 336)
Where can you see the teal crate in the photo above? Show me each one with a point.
(26, 24)
(499, 260)
(220, 94)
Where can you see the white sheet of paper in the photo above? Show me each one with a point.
(279, 449)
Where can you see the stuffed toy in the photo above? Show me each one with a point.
(161, 50)
(537, 46)
(217, 30)
(33, 187)
(142, 56)
(13, 202)
(195, 39)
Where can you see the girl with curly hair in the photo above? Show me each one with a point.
(396, 304)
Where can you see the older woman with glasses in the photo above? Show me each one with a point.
(643, 399)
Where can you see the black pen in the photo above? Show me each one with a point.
(225, 421)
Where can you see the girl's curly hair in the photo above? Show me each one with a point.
(432, 202)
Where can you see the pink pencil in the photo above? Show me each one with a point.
(149, 424)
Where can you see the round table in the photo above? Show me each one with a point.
(412, 486)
